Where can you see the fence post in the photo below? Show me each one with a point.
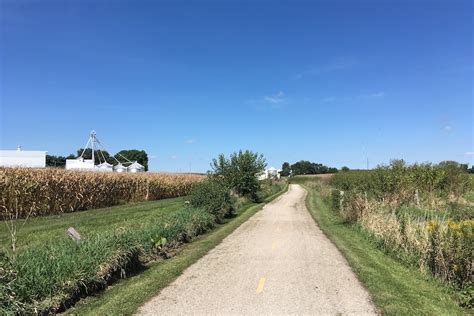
(341, 200)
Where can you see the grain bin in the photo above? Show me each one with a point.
(136, 167)
(105, 167)
(120, 168)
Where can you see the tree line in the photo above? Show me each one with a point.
(139, 156)
(307, 167)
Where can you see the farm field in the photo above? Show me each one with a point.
(37, 192)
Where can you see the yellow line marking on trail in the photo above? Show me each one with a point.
(260, 286)
(274, 245)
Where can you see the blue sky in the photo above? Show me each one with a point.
(327, 81)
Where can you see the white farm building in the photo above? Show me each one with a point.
(80, 163)
(270, 173)
(23, 158)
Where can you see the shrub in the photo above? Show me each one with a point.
(9, 304)
(240, 172)
(213, 196)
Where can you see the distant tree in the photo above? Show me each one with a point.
(99, 155)
(139, 156)
(286, 169)
(306, 167)
(450, 163)
(55, 161)
(240, 171)
(302, 167)
(345, 169)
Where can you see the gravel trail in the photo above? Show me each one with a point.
(278, 262)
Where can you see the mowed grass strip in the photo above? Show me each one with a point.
(395, 288)
(38, 231)
(126, 296)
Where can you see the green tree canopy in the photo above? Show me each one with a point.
(240, 171)
(308, 167)
(285, 169)
(57, 161)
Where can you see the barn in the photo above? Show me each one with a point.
(23, 158)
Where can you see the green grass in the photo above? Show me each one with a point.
(469, 196)
(126, 296)
(396, 289)
(42, 230)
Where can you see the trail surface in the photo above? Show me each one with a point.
(278, 262)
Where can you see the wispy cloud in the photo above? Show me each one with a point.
(278, 97)
(469, 153)
(190, 141)
(328, 99)
(373, 95)
(335, 65)
(174, 157)
(447, 128)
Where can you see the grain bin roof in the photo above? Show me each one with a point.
(136, 165)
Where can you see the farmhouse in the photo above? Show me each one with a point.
(23, 158)
(270, 173)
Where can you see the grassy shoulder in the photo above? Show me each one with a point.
(395, 288)
(42, 230)
(126, 296)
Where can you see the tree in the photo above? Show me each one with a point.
(307, 167)
(345, 169)
(240, 171)
(139, 156)
(55, 161)
(285, 169)
(99, 155)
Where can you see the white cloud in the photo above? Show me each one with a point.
(174, 157)
(469, 153)
(447, 128)
(152, 157)
(190, 141)
(275, 98)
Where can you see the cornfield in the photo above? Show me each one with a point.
(36, 192)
